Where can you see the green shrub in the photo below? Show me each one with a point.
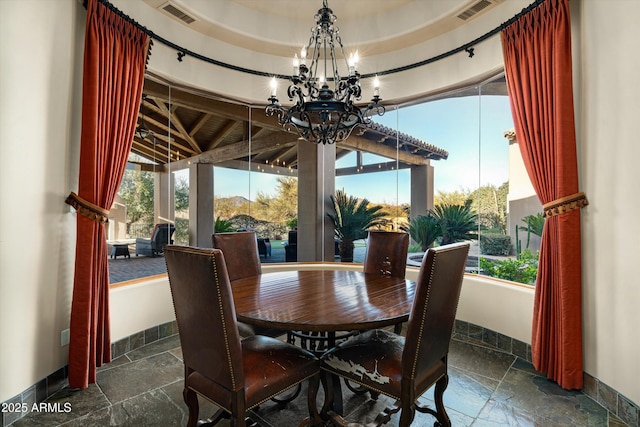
(522, 269)
(495, 244)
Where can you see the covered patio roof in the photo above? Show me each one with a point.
(206, 129)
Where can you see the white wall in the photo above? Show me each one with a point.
(606, 68)
(481, 302)
(39, 133)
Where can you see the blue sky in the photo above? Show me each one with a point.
(471, 129)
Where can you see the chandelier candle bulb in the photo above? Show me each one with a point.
(376, 86)
(296, 65)
(353, 61)
(274, 87)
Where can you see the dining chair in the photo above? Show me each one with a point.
(240, 253)
(241, 257)
(235, 374)
(386, 253)
(404, 368)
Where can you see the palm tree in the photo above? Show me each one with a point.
(458, 222)
(424, 230)
(352, 220)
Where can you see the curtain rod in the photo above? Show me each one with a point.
(182, 52)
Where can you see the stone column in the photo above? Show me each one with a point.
(200, 204)
(421, 189)
(316, 182)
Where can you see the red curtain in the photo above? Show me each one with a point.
(115, 54)
(537, 56)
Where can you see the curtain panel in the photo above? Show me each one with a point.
(538, 68)
(115, 55)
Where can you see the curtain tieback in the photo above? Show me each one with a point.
(565, 204)
(87, 209)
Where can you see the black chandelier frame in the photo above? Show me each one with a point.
(321, 114)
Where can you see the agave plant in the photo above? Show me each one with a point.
(458, 222)
(352, 219)
(424, 230)
(223, 226)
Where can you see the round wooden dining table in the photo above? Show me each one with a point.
(323, 300)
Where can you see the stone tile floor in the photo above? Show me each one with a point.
(487, 388)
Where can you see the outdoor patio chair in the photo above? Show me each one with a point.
(264, 247)
(161, 236)
(291, 247)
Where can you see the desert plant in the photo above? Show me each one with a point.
(424, 230)
(458, 222)
(535, 224)
(223, 226)
(352, 219)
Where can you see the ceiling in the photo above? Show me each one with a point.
(204, 128)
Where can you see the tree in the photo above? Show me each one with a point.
(181, 193)
(490, 203)
(352, 219)
(458, 197)
(283, 207)
(136, 189)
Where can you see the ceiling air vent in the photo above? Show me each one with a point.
(174, 11)
(482, 4)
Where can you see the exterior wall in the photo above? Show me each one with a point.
(41, 47)
(518, 209)
(522, 199)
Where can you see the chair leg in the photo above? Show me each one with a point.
(441, 413)
(191, 399)
(407, 415)
(312, 402)
(327, 383)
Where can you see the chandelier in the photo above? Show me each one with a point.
(141, 129)
(324, 114)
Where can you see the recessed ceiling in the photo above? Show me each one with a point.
(281, 27)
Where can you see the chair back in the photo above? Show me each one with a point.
(240, 253)
(293, 237)
(387, 253)
(205, 313)
(434, 308)
(162, 235)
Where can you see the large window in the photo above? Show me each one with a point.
(479, 192)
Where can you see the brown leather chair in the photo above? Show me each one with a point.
(235, 374)
(387, 253)
(405, 368)
(240, 253)
(241, 257)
